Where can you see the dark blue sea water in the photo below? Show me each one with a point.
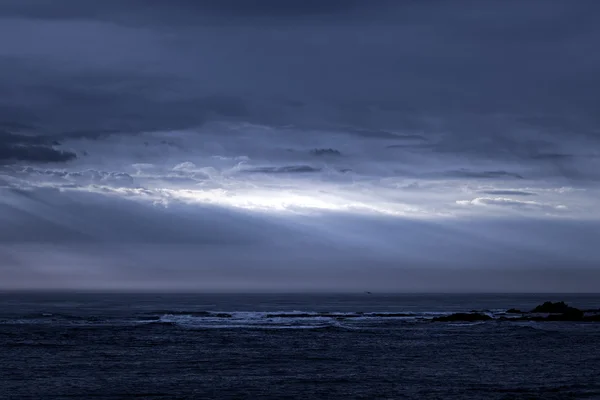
(117, 346)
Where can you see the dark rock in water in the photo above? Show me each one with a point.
(554, 308)
(559, 311)
(463, 317)
(514, 311)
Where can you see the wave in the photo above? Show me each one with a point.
(203, 319)
(296, 314)
(221, 319)
(252, 321)
(285, 319)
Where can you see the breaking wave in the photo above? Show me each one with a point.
(288, 319)
(237, 319)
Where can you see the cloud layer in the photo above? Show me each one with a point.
(299, 144)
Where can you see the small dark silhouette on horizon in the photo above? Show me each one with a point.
(559, 311)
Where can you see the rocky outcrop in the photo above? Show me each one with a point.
(514, 311)
(559, 311)
(463, 317)
(559, 307)
(549, 311)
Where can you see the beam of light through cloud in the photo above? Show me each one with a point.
(299, 144)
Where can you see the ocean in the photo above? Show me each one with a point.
(291, 346)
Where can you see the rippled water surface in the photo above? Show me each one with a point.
(109, 346)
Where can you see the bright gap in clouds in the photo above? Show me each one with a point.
(281, 171)
(280, 201)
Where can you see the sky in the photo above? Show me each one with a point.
(300, 145)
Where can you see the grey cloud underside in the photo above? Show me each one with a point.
(376, 66)
(382, 134)
(94, 102)
(180, 10)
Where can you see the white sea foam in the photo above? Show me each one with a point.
(283, 319)
(290, 319)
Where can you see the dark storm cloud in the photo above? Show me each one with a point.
(73, 9)
(372, 65)
(275, 8)
(8, 138)
(97, 102)
(34, 153)
(30, 148)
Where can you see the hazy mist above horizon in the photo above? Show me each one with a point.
(300, 145)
